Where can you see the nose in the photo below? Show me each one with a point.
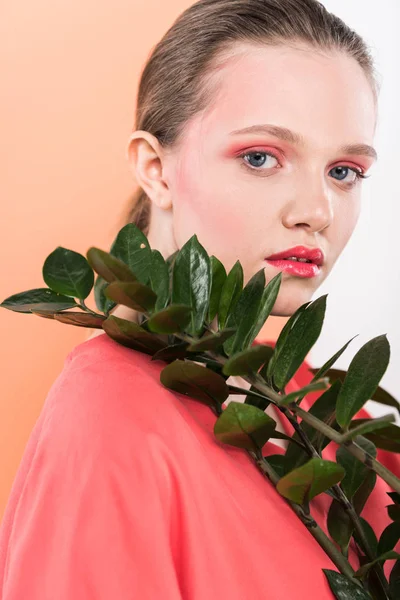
(311, 209)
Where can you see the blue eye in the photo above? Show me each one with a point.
(358, 174)
(258, 158)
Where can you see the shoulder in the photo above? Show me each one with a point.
(107, 394)
(92, 483)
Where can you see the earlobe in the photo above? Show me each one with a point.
(145, 158)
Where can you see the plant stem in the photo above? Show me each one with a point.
(352, 433)
(319, 425)
(234, 388)
(334, 554)
(341, 497)
(364, 545)
(87, 309)
(257, 381)
(370, 462)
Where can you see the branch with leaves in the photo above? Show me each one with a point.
(178, 300)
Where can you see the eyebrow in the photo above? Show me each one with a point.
(298, 140)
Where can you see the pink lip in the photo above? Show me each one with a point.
(296, 268)
(299, 269)
(314, 254)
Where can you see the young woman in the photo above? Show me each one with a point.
(255, 128)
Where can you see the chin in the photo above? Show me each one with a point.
(288, 302)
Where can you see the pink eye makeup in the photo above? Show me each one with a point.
(238, 151)
(264, 156)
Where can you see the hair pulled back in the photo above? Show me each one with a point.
(175, 83)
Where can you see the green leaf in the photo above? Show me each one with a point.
(311, 387)
(364, 491)
(394, 580)
(170, 263)
(195, 381)
(387, 438)
(245, 312)
(248, 360)
(356, 471)
(133, 263)
(38, 299)
(363, 376)
(380, 395)
(339, 526)
(244, 426)
(251, 397)
(69, 273)
(47, 314)
(259, 401)
(369, 535)
(395, 496)
(325, 368)
(394, 511)
(172, 352)
(80, 319)
(369, 425)
(267, 303)
(283, 336)
(344, 588)
(131, 335)
(103, 304)
(324, 409)
(299, 342)
(131, 246)
(211, 341)
(170, 260)
(309, 480)
(133, 294)
(159, 279)
(218, 278)
(172, 319)
(278, 463)
(230, 293)
(362, 571)
(192, 282)
(109, 267)
(389, 538)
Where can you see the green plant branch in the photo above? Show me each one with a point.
(108, 266)
(342, 498)
(370, 462)
(318, 534)
(334, 554)
(333, 435)
(364, 544)
(319, 425)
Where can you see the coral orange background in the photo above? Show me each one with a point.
(67, 106)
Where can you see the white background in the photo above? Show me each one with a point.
(364, 286)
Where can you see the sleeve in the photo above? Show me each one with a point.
(91, 520)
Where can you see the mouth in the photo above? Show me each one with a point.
(299, 261)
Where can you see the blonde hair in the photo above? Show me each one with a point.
(174, 83)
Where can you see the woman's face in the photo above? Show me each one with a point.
(280, 193)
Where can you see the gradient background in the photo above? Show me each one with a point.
(70, 74)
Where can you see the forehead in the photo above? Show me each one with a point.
(326, 98)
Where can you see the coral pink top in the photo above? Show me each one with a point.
(124, 493)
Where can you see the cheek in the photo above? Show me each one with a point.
(345, 224)
(207, 200)
(353, 216)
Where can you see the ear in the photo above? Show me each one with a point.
(146, 159)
